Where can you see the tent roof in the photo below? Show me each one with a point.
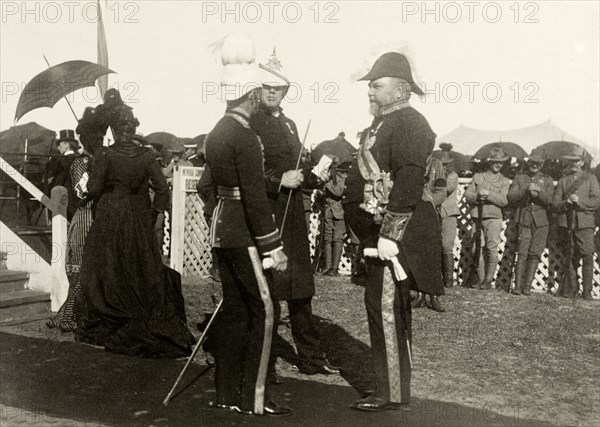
(468, 140)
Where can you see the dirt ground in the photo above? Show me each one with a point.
(532, 358)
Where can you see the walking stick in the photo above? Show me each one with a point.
(287, 205)
(168, 398)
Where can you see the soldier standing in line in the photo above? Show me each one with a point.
(576, 198)
(242, 232)
(282, 146)
(335, 226)
(408, 239)
(531, 192)
(489, 189)
(449, 213)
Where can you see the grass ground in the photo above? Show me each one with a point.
(534, 358)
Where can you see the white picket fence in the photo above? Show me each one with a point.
(189, 248)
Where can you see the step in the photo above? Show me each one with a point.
(22, 297)
(12, 280)
(24, 305)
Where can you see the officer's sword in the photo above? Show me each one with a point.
(198, 344)
(287, 205)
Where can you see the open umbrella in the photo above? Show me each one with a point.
(39, 142)
(555, 150)
(460, 163)
(338, 147)
(510, 149)
(162, 140)
(48, 87)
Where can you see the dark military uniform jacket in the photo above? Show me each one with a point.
(588, 193)
(282, 147)
(531, 210)
(403, 142)
(243, 215)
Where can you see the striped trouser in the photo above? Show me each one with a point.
(389, 314)
(243, 330)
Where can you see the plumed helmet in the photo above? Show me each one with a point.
(240, 73)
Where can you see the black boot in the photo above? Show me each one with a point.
(419, 301)
(327, 251)
(571, 284)
(532, 265)
(588, 277)
(519, 273)
(435, 304)
(338, 247)
(490, 271)
(448, 270)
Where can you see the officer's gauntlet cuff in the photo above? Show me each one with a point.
(394, 225)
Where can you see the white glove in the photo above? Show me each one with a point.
(292, 179)
(387, 248)
(277, 260)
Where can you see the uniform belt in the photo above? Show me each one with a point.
(229, 193)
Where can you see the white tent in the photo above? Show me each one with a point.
(468, 140)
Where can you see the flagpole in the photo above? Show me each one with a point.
(102, 59)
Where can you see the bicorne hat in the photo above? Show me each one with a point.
(393, 64)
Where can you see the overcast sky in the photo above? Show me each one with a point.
(489, 65)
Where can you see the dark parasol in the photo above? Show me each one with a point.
(338, 147)
(555, 150)
(48, 87)
(510, 149)
(13, 141)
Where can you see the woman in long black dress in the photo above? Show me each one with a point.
(70, 313)
(134, 302)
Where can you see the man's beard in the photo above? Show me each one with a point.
(374, 109)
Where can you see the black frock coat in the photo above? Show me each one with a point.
(282, 146)
(403, 142)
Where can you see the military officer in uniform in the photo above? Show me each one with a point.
(449, 213)
(282, 147)
(576, 198)
(244, 236)
(408, 240)
(487, 194)
(531, 192)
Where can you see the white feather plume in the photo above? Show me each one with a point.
(235, 48)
